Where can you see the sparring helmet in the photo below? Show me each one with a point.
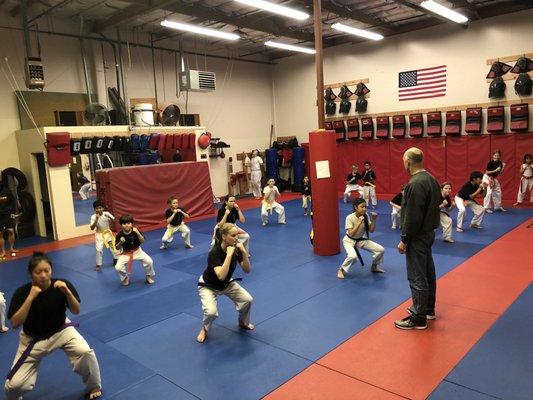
(523, 85)
(345, 93)
(330, 96)
(331, 107)
(497, 88)
(361, 104)
(345, 106)
(361, 89)
(523, 64)
(498, 69)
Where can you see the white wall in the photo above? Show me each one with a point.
(464, 51)
(239, 111)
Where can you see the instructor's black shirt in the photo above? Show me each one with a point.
(420, 206)
(47, 312)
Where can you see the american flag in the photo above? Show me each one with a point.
(422, 83)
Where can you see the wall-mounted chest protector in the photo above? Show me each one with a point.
(497, 88)
(345, 106)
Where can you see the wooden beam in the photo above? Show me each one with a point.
(319, 63)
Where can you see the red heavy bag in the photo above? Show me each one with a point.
(398, 126)
(192, 141)
(178, 141)
(152, 143)
(169, 143)
(353, 129)
(340, 130)
(162, 141)
(453, 123)
(434, 123)
(382, 127)
(58, 149)
(367, 128)
(495, 117)
(473, 120)
(416, 125)
(519, 117)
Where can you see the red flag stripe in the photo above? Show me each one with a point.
(417, 89)
(440, 94)
(431, 68)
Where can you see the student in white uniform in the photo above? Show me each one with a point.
(3, 327)
(369, 186)
(466, 197)
(174, 217)
(255, 175)
(493, 194)
(446, 205)
(270, 192)
(85, 186)
(352, 184)
(101, 223)
(526, 180)
(40, 307)
(358, 226)
(217, 280)
(306, 195)
(396, 209)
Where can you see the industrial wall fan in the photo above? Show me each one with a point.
(96, 114)
(170, 116)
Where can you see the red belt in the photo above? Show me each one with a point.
(130, 258)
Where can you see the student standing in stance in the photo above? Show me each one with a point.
(420, 218)
(494, 192)
(40, 307)
(217, 279)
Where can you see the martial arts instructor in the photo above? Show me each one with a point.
(419, 219)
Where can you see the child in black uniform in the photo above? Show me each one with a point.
(306, 194)
(369, 187)
(396, 204)
(466, 198)
(130, 239)
(217, 279)
(174, 217)
(231, 213)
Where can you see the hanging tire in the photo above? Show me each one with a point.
(18, 175)
(27, 207)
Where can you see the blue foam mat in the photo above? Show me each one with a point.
(451, 391)
(501, 363)
(155, 387)
(228, 365)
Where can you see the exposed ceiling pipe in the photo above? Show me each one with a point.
(85, 71)
(153, 68)
(122, 79)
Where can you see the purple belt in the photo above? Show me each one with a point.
(29, 348)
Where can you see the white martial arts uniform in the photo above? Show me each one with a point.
(270, 204)
(526, 183)
(255, 176)
(102, 234)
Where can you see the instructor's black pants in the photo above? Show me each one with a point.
(421, 275)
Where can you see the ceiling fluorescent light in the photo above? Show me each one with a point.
(290, 47)
(357, 31)
(275, 8)
(444, 11)
(199, 30)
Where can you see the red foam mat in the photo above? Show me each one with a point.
(142, 191)
(411, 364)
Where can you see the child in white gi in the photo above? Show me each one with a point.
(446, 205)
(369, 187)
(358, 226)
(526, 180)
(174, 217)
(493, 189)
(130, 239)
(396, 209)
(352, 184)
(3, 327)
(101, 221)
(269, 203)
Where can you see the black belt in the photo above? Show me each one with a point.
(356, 249)
(203, 284)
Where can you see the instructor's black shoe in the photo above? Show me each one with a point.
(408, 324)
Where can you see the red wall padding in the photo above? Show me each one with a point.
(436, 157)
(447, 158)
(142, 191)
